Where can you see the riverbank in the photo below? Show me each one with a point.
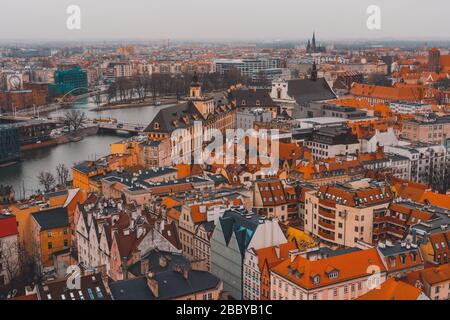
(29, 112)
(148, 103)
(67, 138)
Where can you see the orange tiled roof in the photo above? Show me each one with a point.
(169, 203)
(437, 274)
(393, 290)
(408, 93)
(197, 215)
(349, 266)
(274, 255)
(272, 192)
(366, 197)
(174, 214)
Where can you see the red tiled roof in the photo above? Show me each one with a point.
(8, 226)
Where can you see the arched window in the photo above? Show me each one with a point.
(279, 93)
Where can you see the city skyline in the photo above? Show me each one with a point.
(179, 20)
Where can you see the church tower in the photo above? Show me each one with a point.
(196, 88)
(434, 60)
(204, 104)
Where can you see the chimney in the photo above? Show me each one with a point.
(144, 266)
(153, 284)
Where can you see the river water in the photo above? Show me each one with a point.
(23, 175)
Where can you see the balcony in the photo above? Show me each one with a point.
(395, 232)
(326, 225)
(379, 230)
(396, 221)
(325, 235)
(379, 219)
(327, 214)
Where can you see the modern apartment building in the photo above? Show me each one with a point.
(247, 67)
(343, 214)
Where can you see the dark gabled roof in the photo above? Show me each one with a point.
(153, 262)
(172, 118)
(134, 289)
(242, 223)
(251, 96)
(209, 226)
(217, 178)
(51, 219)
(171, 283)
(307, 90)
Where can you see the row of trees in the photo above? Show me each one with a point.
(141, 87)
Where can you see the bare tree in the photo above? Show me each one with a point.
(75, 119)
(98, 98)
(140, 84)
(62, 173)
(13, 259)
(47, 180)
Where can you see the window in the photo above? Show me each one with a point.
(316, 279)
(50, 245)
(49, 233)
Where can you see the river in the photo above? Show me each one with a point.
(23, 175)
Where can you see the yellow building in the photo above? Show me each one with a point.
(81, 173)
(303, 240)
(50, 234)
(24, 210)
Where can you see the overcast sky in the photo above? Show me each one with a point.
(223, 19)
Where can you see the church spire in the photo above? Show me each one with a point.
(314, 41)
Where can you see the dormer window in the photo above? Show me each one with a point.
(316, 279)
(243, 102)
(258, 103)
(333, 274)
(156, 126)
(402, 258)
